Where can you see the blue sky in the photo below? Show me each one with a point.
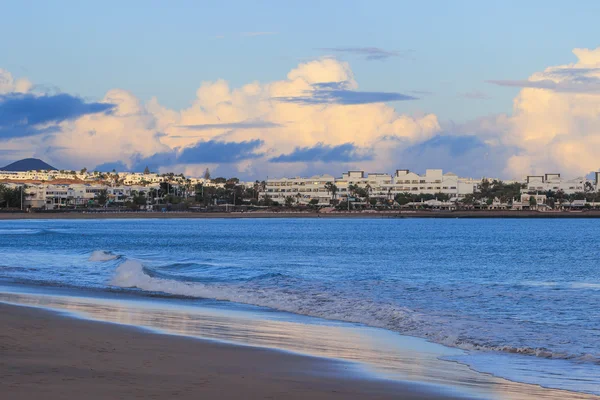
(431, 57)
(165, 49)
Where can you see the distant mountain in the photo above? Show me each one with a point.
(27, 164)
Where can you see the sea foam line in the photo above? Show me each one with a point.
(132, 274)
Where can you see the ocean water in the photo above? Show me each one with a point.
(520, 297)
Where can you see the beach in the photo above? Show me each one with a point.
(46, 355)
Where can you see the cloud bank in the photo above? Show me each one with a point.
(315, 120)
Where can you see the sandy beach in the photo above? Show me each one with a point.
(46, 355)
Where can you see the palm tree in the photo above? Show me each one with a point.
(289, 200)
(331, 189)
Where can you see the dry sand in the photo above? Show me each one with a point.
(44, 355)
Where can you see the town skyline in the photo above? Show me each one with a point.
(146, 170)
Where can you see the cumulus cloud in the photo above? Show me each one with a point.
(310, 106)
(202, 153)
(555, 119)
(129, 129)
(346, 152)
(465, 155)
(369, 53)
(28, 114)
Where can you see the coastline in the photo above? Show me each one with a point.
(52, 356)
(286, 214)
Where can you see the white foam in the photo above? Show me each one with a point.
(102, 256)
(130, 274)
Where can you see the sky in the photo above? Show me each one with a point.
(272, 88)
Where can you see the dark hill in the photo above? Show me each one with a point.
(27, 164)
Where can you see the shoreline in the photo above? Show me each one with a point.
(53, 356)
(54, 318)
(285, 214)
(423, 372)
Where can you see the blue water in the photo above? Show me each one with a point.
(521, 296)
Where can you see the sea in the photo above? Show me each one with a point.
(517, 299)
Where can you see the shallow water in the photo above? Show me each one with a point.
(522, 297)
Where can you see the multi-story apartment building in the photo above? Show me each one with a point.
(40, 175)
(554, 182)
(52, 197)
(301, 189)
(379, 185)
(432, 182)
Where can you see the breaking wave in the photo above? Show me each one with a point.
(329, 304)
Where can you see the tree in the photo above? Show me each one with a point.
(484, 189)
(532, 202)
(313, 202)
(10, 197)
(331, 188)
(102, 197)
(561, 197)
(139, 199)
(442, 196)
(588, 187)
(146, 170)
(83, 170)
(207, 174)
(403, 198)
(368, 189)
(289, 201)
(468, 200)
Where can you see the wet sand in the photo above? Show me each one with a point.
(50, 356)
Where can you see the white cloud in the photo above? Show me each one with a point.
(134, 130)
(554, 126)
(9, 85)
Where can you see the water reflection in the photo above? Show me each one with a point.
(380, 351)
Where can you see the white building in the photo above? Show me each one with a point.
(379, 185)
(554, 182)
(303, 190)
(432, 182)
